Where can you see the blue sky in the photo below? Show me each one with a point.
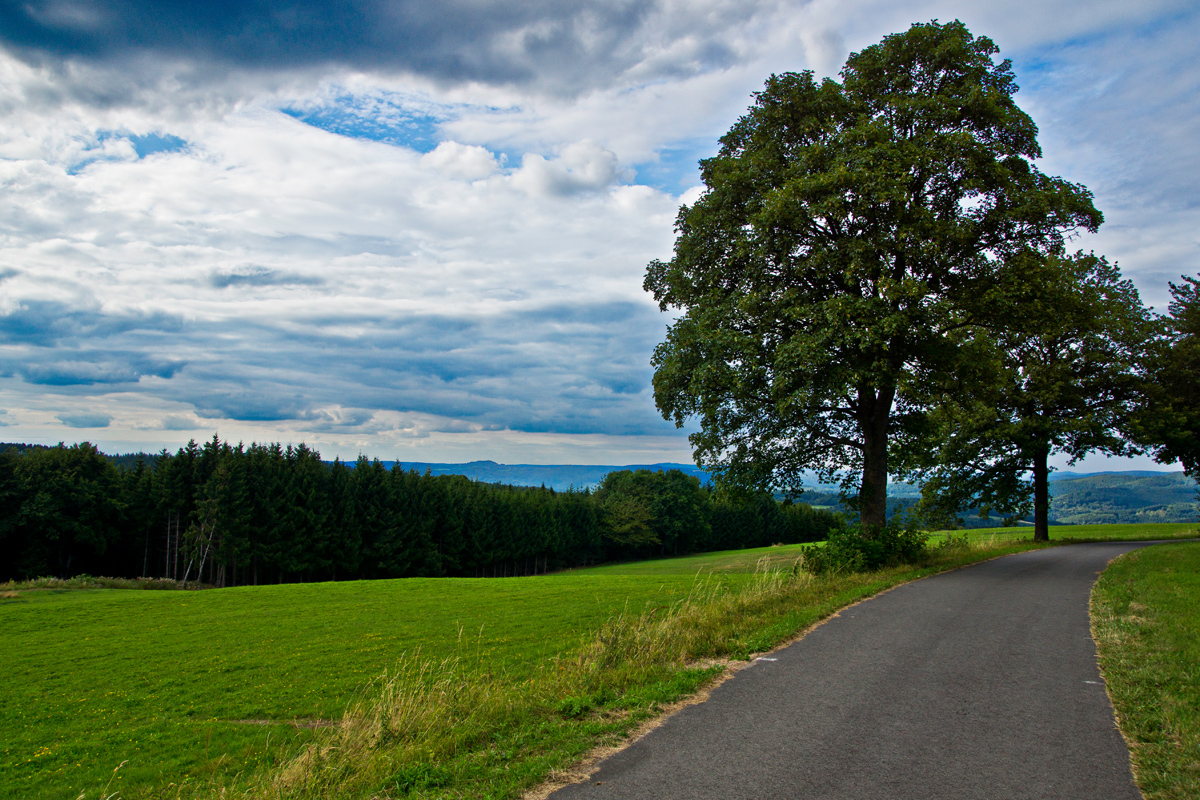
(418, 231)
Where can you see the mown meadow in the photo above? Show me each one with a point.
(182, 682)
(244, 688)
(1146, 621)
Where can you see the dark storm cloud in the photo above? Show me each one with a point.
(570, 44)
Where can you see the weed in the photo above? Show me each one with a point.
(952, 542)
(92, 582)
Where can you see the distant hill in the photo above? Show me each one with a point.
(1091, 498)
(553, 476)
(1107, 497)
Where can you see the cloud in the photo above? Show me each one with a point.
(100, 368)
(395, 224)
(261, 276)
(562, 368)
(178, 422)
(464, 161)
(562, 46)
(49, 322)
(578, 167)
(85, 420)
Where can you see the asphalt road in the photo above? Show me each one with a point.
(977, 683)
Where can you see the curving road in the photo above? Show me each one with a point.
(977, 683)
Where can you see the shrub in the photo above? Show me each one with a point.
(852, 549)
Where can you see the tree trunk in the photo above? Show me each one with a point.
(1041, 496)
(874, 418)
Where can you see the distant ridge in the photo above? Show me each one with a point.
(554, 476)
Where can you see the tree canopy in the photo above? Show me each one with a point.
(232, 515)
(1055, 365)
(845, 229)
(1169, 422)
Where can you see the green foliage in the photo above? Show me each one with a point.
(955, 542)
(654, 512)
(85, 581)
(846, 229)
(1053, 365)
(1099, 499)
(236, 515)
(854, 549)
(1169, 419)
(62, 511)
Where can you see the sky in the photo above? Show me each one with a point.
(418, 231)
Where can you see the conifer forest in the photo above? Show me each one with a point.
(232, 515)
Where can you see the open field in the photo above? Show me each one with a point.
(167, 680)
(205, 686)
(741, 561)
(1146, 621)
(1087, 533)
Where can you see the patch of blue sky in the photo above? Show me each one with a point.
(1041, 68)
(156, 143)
(677, 167)
(145, 145)
(391, 119)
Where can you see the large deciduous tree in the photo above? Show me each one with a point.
(1169, 421)
(1056, 366)
(844, 229)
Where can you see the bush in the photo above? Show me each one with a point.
(851, 549)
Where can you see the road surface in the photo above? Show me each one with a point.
(977, 683)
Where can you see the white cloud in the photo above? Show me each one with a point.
(578, 167)
(323, 280)
(464, 161)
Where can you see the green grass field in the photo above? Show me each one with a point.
(1146, 621)
(169, 681)
(205, 685)
(1087, 533)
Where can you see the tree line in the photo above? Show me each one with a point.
(232, 515)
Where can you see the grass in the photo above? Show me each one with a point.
(168, 680)
(1146, 622)
(439, 729)
(1085, 533)
(388, 689)
(724, 562)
